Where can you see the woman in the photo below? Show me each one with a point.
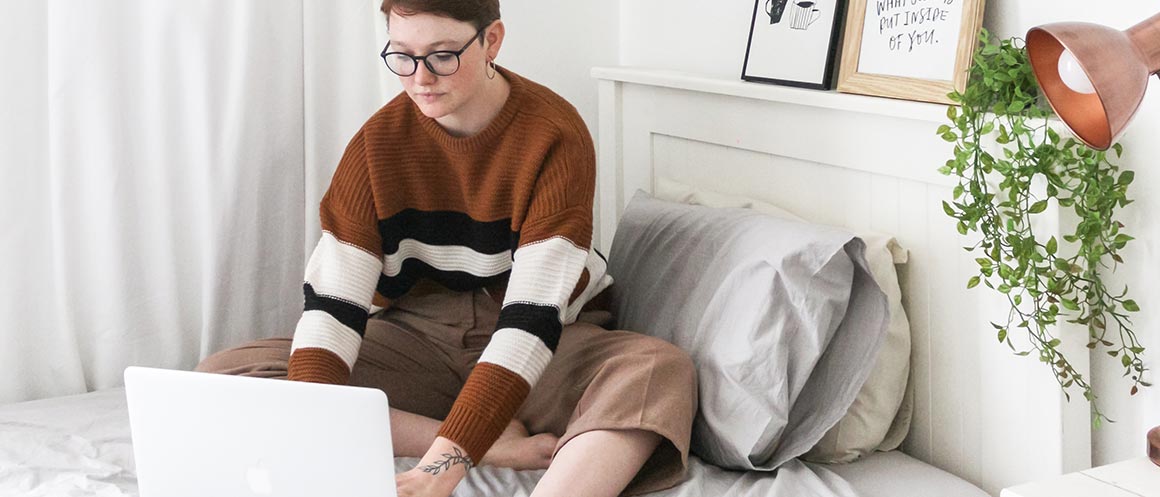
(464, 208)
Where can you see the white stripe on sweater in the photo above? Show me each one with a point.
(318, 329)
(343, 271)
(519, 352)
(598, 280)
(546, 273)
(447, 258)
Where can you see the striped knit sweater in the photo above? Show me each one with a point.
(508, 209)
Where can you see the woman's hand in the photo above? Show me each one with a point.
(518, 450)
(437, 474)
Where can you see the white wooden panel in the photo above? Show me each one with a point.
(980, 412)
(915, 280)
(608, 165)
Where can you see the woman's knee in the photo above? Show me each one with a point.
(672, 364)
(267, 358)
(664, 365)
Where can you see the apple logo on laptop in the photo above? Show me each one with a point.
(258, 477)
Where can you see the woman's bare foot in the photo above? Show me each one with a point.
(516, 449)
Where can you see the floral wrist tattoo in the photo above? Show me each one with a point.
(447, 462)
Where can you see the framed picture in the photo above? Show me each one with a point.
(793, 42)
(909, 49)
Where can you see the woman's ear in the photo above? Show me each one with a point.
(493, 38)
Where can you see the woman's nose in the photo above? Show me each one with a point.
(423, 75)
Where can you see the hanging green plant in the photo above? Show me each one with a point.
(998, 195)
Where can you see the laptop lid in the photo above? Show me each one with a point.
(199, 434)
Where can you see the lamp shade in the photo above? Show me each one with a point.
(1116, 63)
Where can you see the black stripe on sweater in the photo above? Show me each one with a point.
(350, 315)
(447, 228)
(543, 321)
(393, 287)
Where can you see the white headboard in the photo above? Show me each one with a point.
(863, 163)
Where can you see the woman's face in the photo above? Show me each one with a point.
(420, 34)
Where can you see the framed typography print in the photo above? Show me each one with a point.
(794, 42)
(909, 49)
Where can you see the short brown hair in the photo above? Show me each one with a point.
(480, 13)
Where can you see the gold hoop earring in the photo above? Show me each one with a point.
(490, 73)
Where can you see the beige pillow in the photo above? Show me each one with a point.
(880, 416)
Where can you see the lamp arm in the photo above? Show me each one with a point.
(1145, 37)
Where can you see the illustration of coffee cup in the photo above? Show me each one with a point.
(805, 13)
(774, 9)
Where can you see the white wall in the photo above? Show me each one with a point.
(557, 43)
(710, 39)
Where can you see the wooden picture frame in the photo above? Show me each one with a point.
(897, 71)
(794, 42)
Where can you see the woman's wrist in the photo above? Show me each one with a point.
(445, 462)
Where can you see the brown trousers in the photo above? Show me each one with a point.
(421, 350)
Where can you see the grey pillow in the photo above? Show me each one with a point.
(782, 319)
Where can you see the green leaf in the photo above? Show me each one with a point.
(948, 209)
(1130, 305)
(1038, 207)
(1069, 304)
(973, 282)
(1126, 177)
(1052, 246)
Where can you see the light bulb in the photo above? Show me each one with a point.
(1072, 75)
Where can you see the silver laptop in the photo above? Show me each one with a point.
(199, 434)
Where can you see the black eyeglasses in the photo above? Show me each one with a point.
(440, 63)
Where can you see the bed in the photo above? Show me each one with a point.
(80, 446)
(981, 419)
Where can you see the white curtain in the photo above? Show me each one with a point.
(161, 163)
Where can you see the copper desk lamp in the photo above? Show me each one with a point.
(1094, 77)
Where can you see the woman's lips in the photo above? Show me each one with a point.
(429, 97)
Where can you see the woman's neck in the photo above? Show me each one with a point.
(481, 111)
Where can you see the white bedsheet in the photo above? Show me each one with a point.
(80, 446)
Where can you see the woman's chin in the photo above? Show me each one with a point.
(433, 110)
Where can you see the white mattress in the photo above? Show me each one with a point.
(80, 446)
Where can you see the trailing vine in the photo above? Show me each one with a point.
(1044, 280)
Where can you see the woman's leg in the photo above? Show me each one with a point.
(623, 404)
(597, 463)
(412, 435)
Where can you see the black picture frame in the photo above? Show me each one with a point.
(788, 14)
